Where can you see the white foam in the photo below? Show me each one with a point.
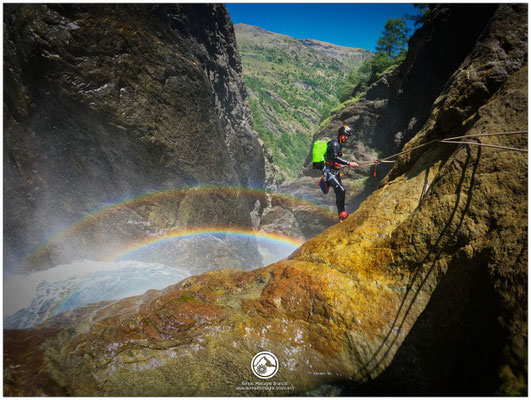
(20, 290)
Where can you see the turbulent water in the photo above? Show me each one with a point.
(31, 298)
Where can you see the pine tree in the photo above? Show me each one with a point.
(394, 37)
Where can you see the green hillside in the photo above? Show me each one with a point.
(291, 83)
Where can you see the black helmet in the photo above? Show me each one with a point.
(344, 130)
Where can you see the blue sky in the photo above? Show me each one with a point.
(345, 24)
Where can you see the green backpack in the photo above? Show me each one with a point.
(318, 154)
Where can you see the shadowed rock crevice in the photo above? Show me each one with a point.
(455, 346)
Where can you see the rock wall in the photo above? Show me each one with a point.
(106, 102)
(423, 290)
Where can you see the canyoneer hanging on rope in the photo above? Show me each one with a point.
(329, 160)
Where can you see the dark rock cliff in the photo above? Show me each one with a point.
(104, 102)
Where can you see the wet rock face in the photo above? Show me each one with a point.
(103, 102)
(423, 290)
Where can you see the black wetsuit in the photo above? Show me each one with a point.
(333, 159)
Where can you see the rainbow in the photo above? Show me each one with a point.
(160, 195)
(200, 232)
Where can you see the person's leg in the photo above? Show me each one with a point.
(336, 183)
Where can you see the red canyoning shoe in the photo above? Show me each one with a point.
(343, 216)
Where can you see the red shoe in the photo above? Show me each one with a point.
(343, 216)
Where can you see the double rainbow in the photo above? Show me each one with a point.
(273, 238)
(151, 196)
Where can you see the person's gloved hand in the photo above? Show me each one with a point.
(353, 164)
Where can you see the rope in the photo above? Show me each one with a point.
(447, 140)
(485, 144)
(409, 150)
(486, 134)
(361, 163)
